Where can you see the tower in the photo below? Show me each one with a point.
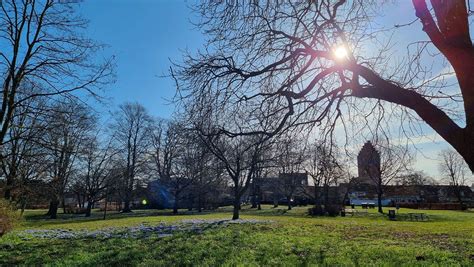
(368, 164)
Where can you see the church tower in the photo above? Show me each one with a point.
(368, 164)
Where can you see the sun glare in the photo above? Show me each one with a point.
(340, 52)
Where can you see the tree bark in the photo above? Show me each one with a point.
(379, 200)
(8, 187)
(53, 209)
(126, 206)
(175, 206)
(89, 208)
(199, 203)
(235, 215)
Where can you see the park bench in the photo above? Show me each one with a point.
(417, 216)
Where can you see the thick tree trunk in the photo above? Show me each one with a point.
(23, 204)
(89, 208)
(254, 202)
(199, 204)
(235, 215)
(126, 206)
(8, 187)
(175, 207)
(379, 200)
(53, 209)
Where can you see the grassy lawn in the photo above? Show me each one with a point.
(282, 238)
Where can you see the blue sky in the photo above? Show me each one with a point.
(144, 34)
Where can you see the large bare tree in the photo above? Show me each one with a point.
(175, 159)
(240, 156)
(132, 134)
(394, 161)
(22, 154)
(96, 169)
(325, 168)
(69, 124)
(44, 47)
(328, 63)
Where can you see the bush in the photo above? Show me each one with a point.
(333, 210)
(329, 210)
(8, 216)
(316, 211)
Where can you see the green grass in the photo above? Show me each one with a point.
(293, 238)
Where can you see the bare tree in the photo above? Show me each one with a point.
(325, 169)
(22, 150)
(240, 156)
(44, 47)
(69, 123)
(132, 130)
(455, 171)
(96, 170)
(394, 161)
(309, 59)
(175, 158)
(290, 155)
(415, 178)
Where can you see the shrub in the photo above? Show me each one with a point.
(316, 211)
(8, 216)
(329, 210)
(332, 210)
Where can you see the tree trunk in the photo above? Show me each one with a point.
(175, 207)
(254, 202)
(199, 204)
(88, 208)
(289, 202)
(275, 202)
(379, 200)
(235, 216)
(23, 205)
(53, 209)
(126, 206)
(105, 204)
(8, 187)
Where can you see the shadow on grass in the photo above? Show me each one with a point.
(38, 218)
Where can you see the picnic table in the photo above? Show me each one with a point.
(417, 216)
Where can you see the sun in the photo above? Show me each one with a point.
(340, 52)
